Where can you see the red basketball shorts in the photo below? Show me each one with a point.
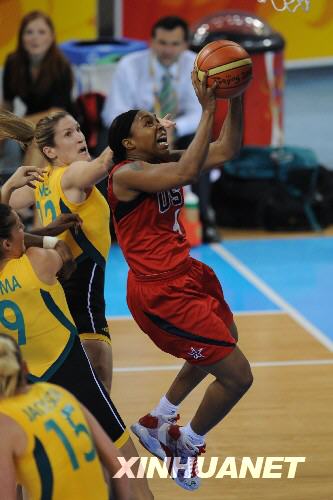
(186, 315)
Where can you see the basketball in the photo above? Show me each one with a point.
(228, 64)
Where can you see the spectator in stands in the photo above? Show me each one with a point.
(159, 79)
(39, 74)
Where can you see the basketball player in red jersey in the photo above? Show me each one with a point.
(176, 300)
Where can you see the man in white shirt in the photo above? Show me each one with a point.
(159, 79)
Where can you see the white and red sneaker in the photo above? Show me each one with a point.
(183, 465)
(147, 430)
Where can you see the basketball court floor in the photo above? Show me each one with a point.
(281, 291)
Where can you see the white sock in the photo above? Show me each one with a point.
(195, 438)
(164, 407)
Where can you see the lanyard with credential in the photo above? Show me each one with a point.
(156, 93)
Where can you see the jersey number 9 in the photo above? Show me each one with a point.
(13, 320)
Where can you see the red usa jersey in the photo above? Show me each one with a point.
(149, 231)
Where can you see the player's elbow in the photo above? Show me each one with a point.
(188, 171)
(194, 177)
(189, 178)
(230, 152)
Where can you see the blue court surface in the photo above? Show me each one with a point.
(293, 275)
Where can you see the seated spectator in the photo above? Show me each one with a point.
(39, 74)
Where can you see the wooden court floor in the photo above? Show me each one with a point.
(288, 412)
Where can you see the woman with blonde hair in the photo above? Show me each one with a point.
(48, 439)
(69, 187)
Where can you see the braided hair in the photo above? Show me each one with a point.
(119, 130)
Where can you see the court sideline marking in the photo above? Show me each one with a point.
(272, 295)
(255, 364)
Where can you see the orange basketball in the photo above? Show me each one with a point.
(228, 64)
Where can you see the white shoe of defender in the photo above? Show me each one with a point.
(147, 428)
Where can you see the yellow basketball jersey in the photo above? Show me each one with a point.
(36, 315)
(93, 238)
(60, 461)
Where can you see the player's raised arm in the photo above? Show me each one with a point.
(230, 66)
(85, 174)
(23, 176)
(229, 141)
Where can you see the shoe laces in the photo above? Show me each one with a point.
(201, 449)
(188, 450)
(170, 419)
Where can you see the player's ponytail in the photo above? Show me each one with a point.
(10, 366)
(24, 132)
(18, 129)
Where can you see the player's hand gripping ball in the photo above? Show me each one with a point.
(228, 64)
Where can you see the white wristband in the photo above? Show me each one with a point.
(50, 242)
